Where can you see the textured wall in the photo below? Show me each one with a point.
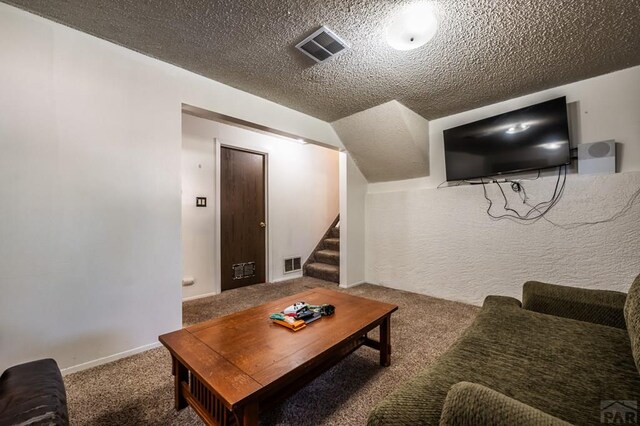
(442, 243)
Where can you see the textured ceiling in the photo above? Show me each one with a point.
(485, 50)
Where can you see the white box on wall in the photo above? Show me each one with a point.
(597, 158)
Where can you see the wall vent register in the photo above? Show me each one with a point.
(322, 45)
(244, 270)
(292, 264)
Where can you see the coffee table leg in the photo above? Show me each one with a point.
(181, 374)
(385, 342)
(250, 415)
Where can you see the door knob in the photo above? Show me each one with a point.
(263, 225)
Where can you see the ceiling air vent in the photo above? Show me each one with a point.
(322, 45)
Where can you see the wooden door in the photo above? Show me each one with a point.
(242, 218)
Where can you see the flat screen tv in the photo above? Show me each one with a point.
(531, 138)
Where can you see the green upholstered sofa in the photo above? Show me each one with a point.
(552, 359)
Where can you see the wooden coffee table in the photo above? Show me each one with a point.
(229, 368)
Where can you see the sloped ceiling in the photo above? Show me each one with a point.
(387, 142)
(485, 51)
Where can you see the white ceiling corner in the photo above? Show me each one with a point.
(387, 142)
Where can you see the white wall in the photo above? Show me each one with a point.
(302, 197)
(90, 135)
(198, 223)
(441, 242)
(352, 224)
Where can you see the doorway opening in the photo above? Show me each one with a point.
(253, 202)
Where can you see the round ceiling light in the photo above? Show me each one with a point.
(412, 27)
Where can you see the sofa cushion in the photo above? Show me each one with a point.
(33, 394)
(473, 404)
(560, 366)
(632, 319)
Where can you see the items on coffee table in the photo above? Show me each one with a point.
(298, 315)
(288, 321)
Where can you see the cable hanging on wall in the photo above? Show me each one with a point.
(622, 212)
(535, 212)
(540, 210)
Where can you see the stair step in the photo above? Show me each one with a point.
(335, 232)
(332, 243)
(331, 257)
(323, 271)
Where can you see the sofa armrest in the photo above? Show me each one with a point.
(595, 306)
(33, 393)
(501, 302)
(470, 404)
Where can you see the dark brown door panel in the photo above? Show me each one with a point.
(242, 218)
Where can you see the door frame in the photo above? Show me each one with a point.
(217, 263)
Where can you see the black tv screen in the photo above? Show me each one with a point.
(531, 138)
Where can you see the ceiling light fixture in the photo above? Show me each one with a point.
(412, 27)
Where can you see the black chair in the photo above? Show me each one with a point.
(33, 393)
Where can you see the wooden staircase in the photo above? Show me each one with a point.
(324, 262)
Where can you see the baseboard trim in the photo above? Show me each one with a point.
(290, 277)
(287, 278)
(108, 359)
(352, 285)
(199, 296)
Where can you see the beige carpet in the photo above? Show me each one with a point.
(138, 390)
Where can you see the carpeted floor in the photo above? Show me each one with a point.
(138, 390)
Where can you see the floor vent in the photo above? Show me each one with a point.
(292, 264)
(322, 45)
